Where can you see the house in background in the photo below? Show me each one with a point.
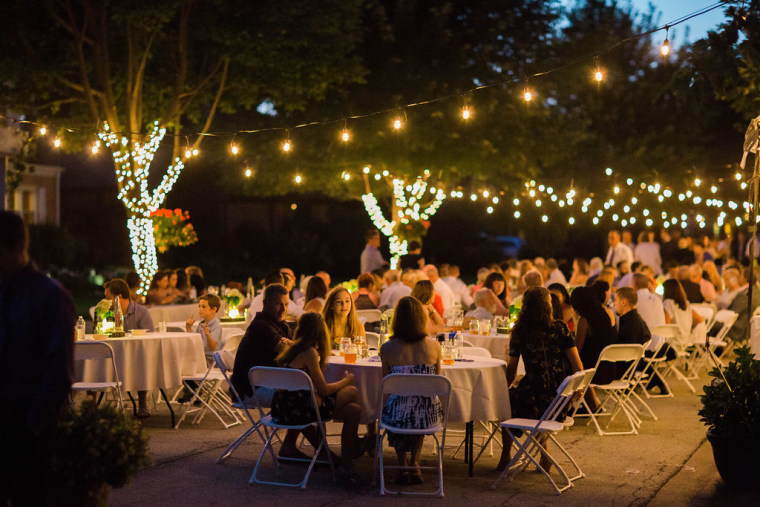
(37, 197)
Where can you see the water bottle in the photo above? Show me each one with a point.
(459, 343)
(79, 329)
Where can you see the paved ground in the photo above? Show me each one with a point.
(668, 463)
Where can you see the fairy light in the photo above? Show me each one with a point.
(298, 179)
(195, 152)
(286, 146)
(598, 76)
(248, 173)
(629, 181)
(188, 153)
(57, 142)
(738, 176)
(43, 130)
(132, 162)
(571, 221)
(95, 147)
(527, 95)
(345, 135)
(697, 182)
(466, 113)
(234, 149)
(489, 210)
(608, 171)
(517, 214)
(397, 123)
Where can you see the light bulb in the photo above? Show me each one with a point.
(188, 153)
(95, 147)
(527, 95)
(234, 149)
(248, 173)
(466, 113)
(57, 142)
(345, 135)
(43, 130)
(298, 178)
(365, 170)
(598, 76)
(195, 152)
(397, 123)
(665, 49)
(286, 146)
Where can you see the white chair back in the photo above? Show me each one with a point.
(279, 378)
(475, 352)
(369, 316)
(621, 352)
(231, 338)
(404, 384)
(372, 340)
(707, 311)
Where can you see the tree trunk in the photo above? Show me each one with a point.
(143, 249)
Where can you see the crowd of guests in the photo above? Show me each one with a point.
(568, 313)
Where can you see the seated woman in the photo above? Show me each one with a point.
(424, 292)
(580, 272)
(340, 400)
(365, 298)
(160, 293)
(498, 284)
(566, 308)
(340, 316)
(180, 286)
(679, 312)
(316, 292)
(543, 345)
(594, 331)
(410, 351)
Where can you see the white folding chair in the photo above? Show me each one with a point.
(206, 388)
(655, 365)
(726, 318)
(547, 425)
(231, 338)
(373, 339)
(103, 352)
(289, 380)
(402, 384)
(679, 344)
(468, 352)
(707, 311)
(224, 359)
(369, 316)
(618, 391)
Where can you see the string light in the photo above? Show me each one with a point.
(57, 142)
(234, 148)
(665, 49)
(43, 130)
(286, 146)
(397, 123)
(466, 113)
(527, 95)
(345, 135)
(298, 179)
(248, 172)
(95, 147)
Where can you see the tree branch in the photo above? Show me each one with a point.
(172, 112)
(79, 35)
(218, 98)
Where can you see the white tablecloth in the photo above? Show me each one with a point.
(754, 336)
(155, 360)
(478, 389)
(495, 344)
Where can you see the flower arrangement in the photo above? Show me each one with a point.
(94, 446)
(103, 316)
(172, 228)
(103, 307)
(351, 285)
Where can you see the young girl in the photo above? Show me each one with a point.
(340, 315)
(339, 400)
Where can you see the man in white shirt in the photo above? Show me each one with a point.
(618, 251)
(447, 296)
(555, 275)
(371, 258)
(458, 287)
(257, 304)
(485, 305)
(395, 291)
(649, 305)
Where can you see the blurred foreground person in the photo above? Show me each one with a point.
(36, 347)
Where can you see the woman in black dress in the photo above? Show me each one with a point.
(543, 344)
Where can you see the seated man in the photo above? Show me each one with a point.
(631, 328)
(649, 304)
(458, 287)
(485, 305)
(263, 341)
(257, 303)
(209, 327)
(396, 290)
(135, 317)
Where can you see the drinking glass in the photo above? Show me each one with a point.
(344, 343)
(162, 327)
(457, 326)
(449, 354)
(474, 326)
(485, 327)
(361, 346)
(350, 354)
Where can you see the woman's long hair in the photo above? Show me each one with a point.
(316, 288)
(353, 325)
(587, 304)
(423, 292)
(409, 320)
(311, 331)
(536, 313)
(672, 289)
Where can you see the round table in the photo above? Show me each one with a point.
(151, 361)
(479, 390)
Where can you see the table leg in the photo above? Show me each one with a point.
(171, 411)
(470, 434)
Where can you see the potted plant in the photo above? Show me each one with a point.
(731, 410)
(96, 448)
